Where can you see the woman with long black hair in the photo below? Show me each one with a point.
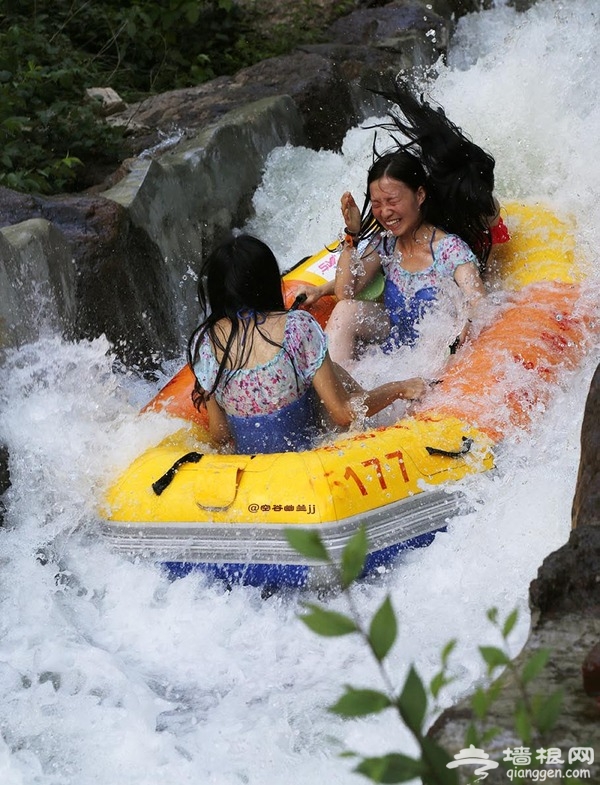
(263, 371)
(426, 222)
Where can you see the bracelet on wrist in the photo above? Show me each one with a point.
(352, 234)
(350, 240)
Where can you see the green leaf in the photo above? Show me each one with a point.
(390, 768)
(383, 630)
(492, 614)
(472, 736)
(480, 703)
(434, 757)
(534, 665)
(438, 682)
(494, 657)
(192, 13)
(440, 679)
(353, 557)
(510, 622)
(308, 543)
(447, 651)
(494, 691)
(328, 623)
(547, 713)
(360, 703)
(413, 702)
(522, 723)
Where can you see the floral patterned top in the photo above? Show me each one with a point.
(448, 254)
(268, 387)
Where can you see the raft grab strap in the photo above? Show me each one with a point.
(163, 482)
(466, 446)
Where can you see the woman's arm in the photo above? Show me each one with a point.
(314, 293)
(469, 282)
(345, 399)
(218, 427)
(354, 272)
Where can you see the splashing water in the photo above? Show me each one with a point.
(109, 673)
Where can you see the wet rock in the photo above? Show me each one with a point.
(569, 579)
(4, 479)
(110, 101)
(190, 197)
(390, 29)
(590, 672)
(37, 281)
(116, 282)
(330, 83)
(586, 502)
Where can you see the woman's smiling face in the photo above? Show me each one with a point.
(396, 206)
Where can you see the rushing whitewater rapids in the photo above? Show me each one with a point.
(111, 674)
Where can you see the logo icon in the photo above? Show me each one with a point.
(474, 757)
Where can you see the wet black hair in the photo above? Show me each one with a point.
(240, 281)
(457, 174)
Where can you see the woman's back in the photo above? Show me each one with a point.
(263, 372)
(284, 352)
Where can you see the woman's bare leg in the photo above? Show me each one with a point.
(353, 320)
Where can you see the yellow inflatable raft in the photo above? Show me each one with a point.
(187, 507)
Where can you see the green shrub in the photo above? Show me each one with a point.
(52, 50)
(47, 132)
(534, 714)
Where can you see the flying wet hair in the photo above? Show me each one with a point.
(240, 281)
(431, 151)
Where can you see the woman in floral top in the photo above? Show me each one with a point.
(428, 222)
(415, 256)
(260, 370)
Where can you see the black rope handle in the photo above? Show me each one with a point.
(466, 446)
(163, 482)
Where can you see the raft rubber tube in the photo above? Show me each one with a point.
(497, 382)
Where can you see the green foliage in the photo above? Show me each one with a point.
(46, 132)
(353, 558)
(383, 630)
(360, 703)
(390, 768)
(308, 543)
(412, 703)
(140, 45)
(52, 50)
(328, 623)
(534, 715)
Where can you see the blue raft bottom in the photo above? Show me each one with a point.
(296, 576)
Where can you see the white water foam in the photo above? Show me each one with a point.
(109, 673)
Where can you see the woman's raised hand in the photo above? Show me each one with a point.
(350, 212)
